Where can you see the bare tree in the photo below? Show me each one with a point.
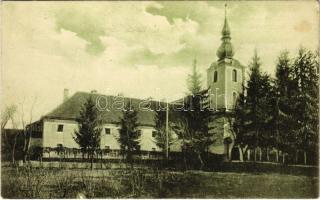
(6, 116)
(14, 146)
(26, 128)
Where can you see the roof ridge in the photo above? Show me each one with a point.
(126, 97)
(70, 108)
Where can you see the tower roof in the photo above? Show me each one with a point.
(225, 50)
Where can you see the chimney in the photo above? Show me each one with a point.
(65, 94)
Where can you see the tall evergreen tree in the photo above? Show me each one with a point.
(129, 139)
(265, 113)
(194, 80)
(306, 98)
(239, 124)
(252, 100)
(283, 122)
(257, 101)
(160, 127)
(89, 132)
(194, 123)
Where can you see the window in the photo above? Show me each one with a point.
(108, 131)
(154, 133)
(60, 128)
(234, 75)
(215, 76)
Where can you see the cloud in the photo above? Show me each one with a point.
(84, 24)
(135, 47)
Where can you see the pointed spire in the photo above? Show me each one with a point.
(226, 29)
(225, 50)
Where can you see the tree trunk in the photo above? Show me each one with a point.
(255, 154)
(129, 159)
(14, 150)
(24, 149)
(296, 158)
(201, 161)
(277, 155)
(242, 154)
(227, 152)
(305, 157)
(184, 160)
(260, 154)
(249, 152)
(283, 157)
(268, 159)
(28, 145)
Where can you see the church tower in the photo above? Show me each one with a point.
(226, 75)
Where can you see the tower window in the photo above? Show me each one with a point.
(60, 128)
(234, 75)
(215, 76)
(107, 131)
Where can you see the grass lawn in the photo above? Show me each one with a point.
(245, 185)
(113, 183)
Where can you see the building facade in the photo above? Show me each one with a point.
(57, 128)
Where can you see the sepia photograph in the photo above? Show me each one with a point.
(159, 99)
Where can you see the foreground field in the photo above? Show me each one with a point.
(142, 183)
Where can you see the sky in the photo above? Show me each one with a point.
(139, 49)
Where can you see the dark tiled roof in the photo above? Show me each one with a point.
(70, 109)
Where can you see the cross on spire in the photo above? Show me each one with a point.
(225, 10)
